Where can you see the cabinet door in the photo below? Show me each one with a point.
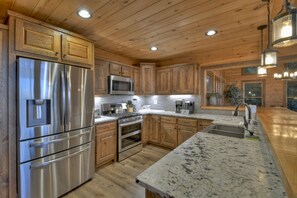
(185, 132)
(155, 132)
(105, 149)
(183, 79)
(164, 81)
(115, 69)
(101, 73)
(105, 143)
(136, 78)
(147, 79)
(77, 50)
(37, 39)
(146, 129)
(168, 135)
(127, 71)
(202, 124)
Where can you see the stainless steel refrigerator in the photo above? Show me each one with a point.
(55, 133)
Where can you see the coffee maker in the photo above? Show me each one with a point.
(178, 106)
(190, 106)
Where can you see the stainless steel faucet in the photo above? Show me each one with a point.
(246, 122)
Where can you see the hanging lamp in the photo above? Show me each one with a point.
(285, 27)
(269, 55)
(262, 71)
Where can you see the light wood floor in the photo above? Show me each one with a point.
(118, 179)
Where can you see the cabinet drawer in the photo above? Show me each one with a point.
(204, 122)
(101, 128)
(168, 119)
(187, 122)
(188, 129)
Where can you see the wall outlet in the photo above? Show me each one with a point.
(155, 101)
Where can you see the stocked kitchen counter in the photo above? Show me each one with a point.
(280, 126)
(217, 119)
(104, 119)
(209, 165)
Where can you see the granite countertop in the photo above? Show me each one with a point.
(104, 119)
(217, 119)
(209, 165)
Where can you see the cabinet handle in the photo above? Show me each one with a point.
(56, 54)
(64, 55)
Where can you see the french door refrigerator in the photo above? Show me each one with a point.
(55, 132)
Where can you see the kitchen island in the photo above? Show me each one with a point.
(208, 165)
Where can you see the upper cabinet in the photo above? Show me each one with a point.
(136, 78)
(101, 73)
(120, 70)
(183, 79)
(164, 81)
(37, 39)
(77, 50)
(48, 43)
(147, 78)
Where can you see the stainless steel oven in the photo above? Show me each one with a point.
(120, 85)
(129, 136)
(129, 129)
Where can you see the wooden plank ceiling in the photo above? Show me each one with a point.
(176, 27)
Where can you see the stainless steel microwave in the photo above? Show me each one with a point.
(120, 85)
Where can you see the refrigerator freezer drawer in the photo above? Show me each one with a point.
(40, 147)
(57, 174)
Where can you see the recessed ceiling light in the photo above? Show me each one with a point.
(211, 32)
(154, 48)
(84, 14)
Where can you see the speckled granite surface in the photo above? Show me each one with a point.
(209, 165)
(217, 119)
(104, 119)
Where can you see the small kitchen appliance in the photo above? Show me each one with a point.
(178, 106)
(190, 106)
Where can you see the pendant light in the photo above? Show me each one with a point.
(269, 55)
(262, 71)
(285, 27)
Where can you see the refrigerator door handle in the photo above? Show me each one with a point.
(62, 102)
(67, 97)
(41, 144)
(45, 164)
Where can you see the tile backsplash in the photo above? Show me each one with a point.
(161, 102)
(167, 102)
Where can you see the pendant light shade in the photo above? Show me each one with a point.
(285, 28)
(269, 58)
(269, 55)
(261, 71)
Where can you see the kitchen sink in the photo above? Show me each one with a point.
(231, 131)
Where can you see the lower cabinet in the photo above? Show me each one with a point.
(170, 131)
(155, 129)
(105, 143)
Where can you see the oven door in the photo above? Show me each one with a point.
(120, 85)
(129, 135)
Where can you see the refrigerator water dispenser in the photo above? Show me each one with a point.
(38, 112)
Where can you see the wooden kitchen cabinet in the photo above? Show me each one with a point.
(37, 39)
(202, 124)
(164, 79)
(120, 70)
(146, 128)
(101, 73)
(183, 79)
(136, 78)
(186, 129)
(77, 50)
(46, 42)
(147, 78)
(168, 132)
(105, 143)
(155, 130)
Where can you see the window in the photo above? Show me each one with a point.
(253, 93)
(292, 95)
(249, 71)
(209, 82)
